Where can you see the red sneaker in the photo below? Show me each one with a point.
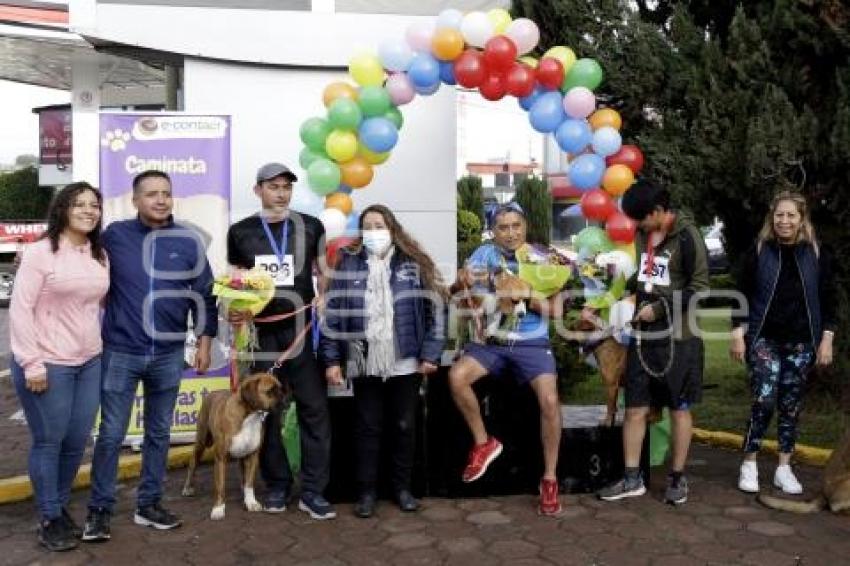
(480, 457)
(550, 504)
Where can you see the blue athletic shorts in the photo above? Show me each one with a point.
(523, 362)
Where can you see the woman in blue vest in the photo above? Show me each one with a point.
(386, 292)
(790, 326)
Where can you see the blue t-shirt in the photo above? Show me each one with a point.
(531, 329)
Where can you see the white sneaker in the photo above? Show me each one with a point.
(748, 479)
(785, 480)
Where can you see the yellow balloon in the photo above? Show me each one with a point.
(340, 201)
(366, 70)
(372, 157)
(529, 60)
(605, 117)
(341, 145)
(565, 55)
(617, 179)
(500, 18)
(337, 90)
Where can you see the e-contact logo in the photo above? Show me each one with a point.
(154, 127)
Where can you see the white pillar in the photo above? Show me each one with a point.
(85, 103)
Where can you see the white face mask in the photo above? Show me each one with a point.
(377, 241)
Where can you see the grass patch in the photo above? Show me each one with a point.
(726, 398)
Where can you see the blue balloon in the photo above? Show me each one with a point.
(378, 134)
(547, 113)
(345, 189)
(447, 72)
(428, 90)
(395, 54)
(424, 70)
(607, 141)
(526, 102)
(586, 171)
(573, 211)
(573, 135)
(352, 227)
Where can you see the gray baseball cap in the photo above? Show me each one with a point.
(271, 170)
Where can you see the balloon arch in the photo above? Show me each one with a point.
(484, 51)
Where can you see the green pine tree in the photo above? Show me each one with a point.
(534, 197)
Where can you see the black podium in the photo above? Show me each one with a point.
(590, 456)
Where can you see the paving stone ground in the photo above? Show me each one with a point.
(718, 526)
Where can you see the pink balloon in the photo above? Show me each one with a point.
(419, 36)
(579, 102)
(524, 33)
(400, 88)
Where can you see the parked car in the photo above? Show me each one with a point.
(713, 237)
(6, 282)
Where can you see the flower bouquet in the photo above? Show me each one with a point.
(244, 291)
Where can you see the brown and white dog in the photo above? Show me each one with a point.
(232, 425)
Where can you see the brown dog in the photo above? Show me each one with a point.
(835, 492)
(484, 310)
(610, 358)
(232, 424)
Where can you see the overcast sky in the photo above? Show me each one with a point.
(18, 125)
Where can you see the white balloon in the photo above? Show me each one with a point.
(449, 18)
(306, 201)
(476, 28)
(622, 261)
(395, 54)
(524, 33)
(419, 36)
(334, 221)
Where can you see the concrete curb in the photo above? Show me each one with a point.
(810, 455)
(18, 488)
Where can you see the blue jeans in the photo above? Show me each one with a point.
(60, 421)
(160, 376)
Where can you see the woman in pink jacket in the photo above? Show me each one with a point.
(56, 346)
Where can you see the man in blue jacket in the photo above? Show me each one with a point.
(159, 275)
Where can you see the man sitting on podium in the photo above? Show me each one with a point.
(519, 345)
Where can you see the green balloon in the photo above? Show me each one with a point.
(585, 72)
(374, 101)
(594, 240)
(313, 133)
(394, 116)
(323, 176)
(344, 114)
(308, 156)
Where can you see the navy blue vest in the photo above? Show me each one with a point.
(769, 265)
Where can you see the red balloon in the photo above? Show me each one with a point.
(630, 156)
(620, 228)
(334, 245)
(494, 86)
(550, 73)
(469, 69)
(597, 205)
(520, 80)
(499, 53)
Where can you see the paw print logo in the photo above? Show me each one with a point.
(115, 140)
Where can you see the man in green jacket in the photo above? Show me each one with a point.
(665, 359)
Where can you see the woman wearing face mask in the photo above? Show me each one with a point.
(54, 323)
(387, 291)
(790, 326)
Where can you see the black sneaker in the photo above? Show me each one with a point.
(316, 506)
(157, 517)
(71, 524)
(622, 489)
(276, 501)
(677, 491)
(365, 506)
(55, 536)
(96, 528)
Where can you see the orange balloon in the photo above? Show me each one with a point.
(358, 172)
(447, 44)
(617, 180)
(337, 90)
(605, 117)
(340, 201)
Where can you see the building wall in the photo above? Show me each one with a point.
(268, 106)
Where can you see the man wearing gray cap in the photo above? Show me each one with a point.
(288, 245)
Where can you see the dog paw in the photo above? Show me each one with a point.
(253, 505)
(188, 491)
(217, 513)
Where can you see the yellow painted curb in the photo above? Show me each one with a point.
(18, 488)
(806, 454)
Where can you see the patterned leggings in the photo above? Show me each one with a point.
(777, 376)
